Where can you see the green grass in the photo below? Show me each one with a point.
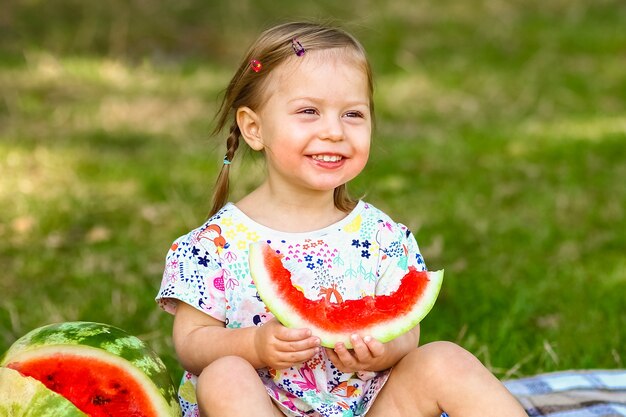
(501, 143)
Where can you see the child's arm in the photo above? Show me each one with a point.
(368, 354)
(199, 339)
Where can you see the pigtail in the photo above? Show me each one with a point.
(343, 200)
(220, 195)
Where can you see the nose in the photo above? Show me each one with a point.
(333, 129)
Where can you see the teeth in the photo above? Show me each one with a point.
(327, 158)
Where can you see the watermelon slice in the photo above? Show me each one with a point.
(383, 317)
(101, 369)
(23, 396)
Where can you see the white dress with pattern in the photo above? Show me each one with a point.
(208, 269)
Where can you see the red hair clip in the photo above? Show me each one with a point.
(255, 65)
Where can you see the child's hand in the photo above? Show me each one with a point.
(280, 347)
(369, 354)
(365, 354)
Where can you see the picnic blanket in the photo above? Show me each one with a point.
(600, 393)
(592, 393)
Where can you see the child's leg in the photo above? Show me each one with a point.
(442, 376)
(229, 387)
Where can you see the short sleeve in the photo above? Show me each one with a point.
(191, 269)
(399, 251)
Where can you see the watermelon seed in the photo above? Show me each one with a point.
(100, 400)
(52, 383)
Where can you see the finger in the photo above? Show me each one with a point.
(361, 350)
(298, 345)
(288, 359)
(291, 335)
(375, 347)
(335, 359)
(332, 356)
(285, 333)
(344, 355)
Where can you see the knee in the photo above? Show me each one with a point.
(218, 378)
(445, 360)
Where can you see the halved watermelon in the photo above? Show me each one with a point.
(383, 317)
(101, 369)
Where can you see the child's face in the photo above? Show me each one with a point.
(316, 123)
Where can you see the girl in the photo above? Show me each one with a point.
(303, 97)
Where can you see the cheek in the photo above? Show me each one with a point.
(364, 149)
(365, 156)
(361, 157)
(364, 159)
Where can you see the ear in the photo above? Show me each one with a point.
(249, 126)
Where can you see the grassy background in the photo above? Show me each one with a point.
(501, 142)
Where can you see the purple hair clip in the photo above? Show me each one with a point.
(297, 47)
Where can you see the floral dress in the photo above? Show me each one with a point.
(208, 269)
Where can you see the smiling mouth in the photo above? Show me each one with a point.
(327, 158)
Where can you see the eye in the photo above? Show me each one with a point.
(308, 111)
(355, 114)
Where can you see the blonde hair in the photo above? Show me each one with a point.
(247, 87)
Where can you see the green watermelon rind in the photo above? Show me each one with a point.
(23, 396)
(105, 342)
(384, 331)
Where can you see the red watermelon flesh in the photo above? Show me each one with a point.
(94, 386)
(382, 316)
(362, 312)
